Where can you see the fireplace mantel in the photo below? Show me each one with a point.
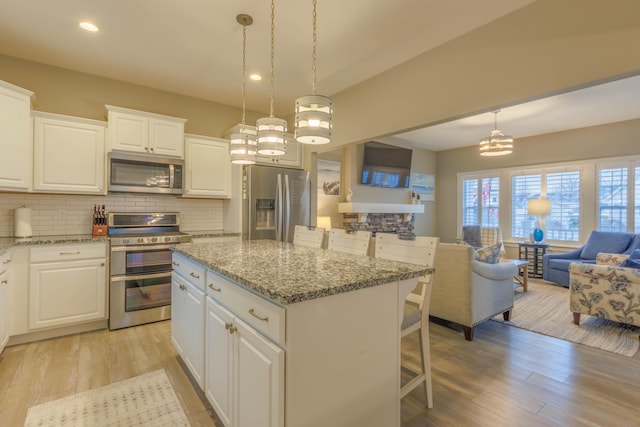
(362, 209)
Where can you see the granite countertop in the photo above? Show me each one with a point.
(8, 242)
(287, 274)
(211, 233)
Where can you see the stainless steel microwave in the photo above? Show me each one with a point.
(142, 173)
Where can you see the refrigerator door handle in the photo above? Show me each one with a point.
(279, 209)
(287, 208)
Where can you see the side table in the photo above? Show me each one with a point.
(533, 252)
(523, 270)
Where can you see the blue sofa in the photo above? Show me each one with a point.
(555, 267)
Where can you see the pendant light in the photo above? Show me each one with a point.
(496, 144)
(271, 130)
(313, 112)
(242, 147)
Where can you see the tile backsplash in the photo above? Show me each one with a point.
(63, 214)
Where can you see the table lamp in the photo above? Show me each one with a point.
(541, 208)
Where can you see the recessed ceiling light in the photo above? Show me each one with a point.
(88, 26)
(255, 77)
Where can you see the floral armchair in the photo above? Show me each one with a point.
(605, 290)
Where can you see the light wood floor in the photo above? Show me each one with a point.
(506, 376)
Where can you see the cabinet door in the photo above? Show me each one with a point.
(177, 313)
(292, 159)
(259, 379)
(219, 360)
(16, 146)
(62, 293)
(4, 310)
(128, 132)
(68, 156)
(208, 168)
(166, 137)
(194, 315)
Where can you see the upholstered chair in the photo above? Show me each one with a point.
(605, 290)
(467, 291)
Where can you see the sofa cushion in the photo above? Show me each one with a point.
(634, 244)
(609, 242)
(489, 254)
(562, 264)
(633, 260)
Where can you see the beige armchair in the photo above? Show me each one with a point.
(468, 292)
(605, 290)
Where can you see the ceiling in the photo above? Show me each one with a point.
(193, 47)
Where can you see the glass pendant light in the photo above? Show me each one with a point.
(271, 130)
(496, 144)
(242, 147)
(313, 112)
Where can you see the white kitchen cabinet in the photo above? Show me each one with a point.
(245, 371)
(143, 132)
(208, 167)
(188, 315)
(69, 154)
(5, 260)
(292, 158)
(67, 284)
(16, 146)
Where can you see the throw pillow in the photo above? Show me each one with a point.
(633, 260)
(489, 254)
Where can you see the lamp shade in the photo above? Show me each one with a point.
(497, 144)
(271, 136)
(539, 206)
(324, 222)
(313, 119)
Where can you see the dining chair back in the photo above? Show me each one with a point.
(308, 236)
(356, 242)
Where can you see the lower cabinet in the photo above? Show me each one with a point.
(4, 300)
(244, 372)
(67, 285)
(187, 324)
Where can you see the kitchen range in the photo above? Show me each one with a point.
(140, 260)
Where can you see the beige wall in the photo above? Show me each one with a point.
(71, 93)
(612, 140)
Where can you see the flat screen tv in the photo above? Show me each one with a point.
(385, 165)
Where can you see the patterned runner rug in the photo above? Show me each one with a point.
(545, 309)
(145, 400)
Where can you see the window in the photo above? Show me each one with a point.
(523, 188)
(636, 203)
(612, 199)
(481, 201)
(563, 189)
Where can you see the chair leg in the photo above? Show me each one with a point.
(468, 333)
(576, 318)
(506, 315)
(425, 357)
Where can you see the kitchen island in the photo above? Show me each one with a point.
(297, 336)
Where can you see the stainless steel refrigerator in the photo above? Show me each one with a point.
(275, 200)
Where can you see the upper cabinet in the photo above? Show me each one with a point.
(292, 159)
(15, 138)
(68, 154)
(207, 167)
(144, 132)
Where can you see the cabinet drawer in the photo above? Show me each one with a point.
(5, 259)
(68, 252)
(265, 317)
(188, 269)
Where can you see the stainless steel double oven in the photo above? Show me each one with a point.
(140, 266)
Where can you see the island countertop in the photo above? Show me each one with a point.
(287, 274)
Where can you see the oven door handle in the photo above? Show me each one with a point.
(140, 277)
(139, 248)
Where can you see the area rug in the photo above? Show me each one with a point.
(145, 400)
(545, 309)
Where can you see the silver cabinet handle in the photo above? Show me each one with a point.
(177, 264)
(214, 288)
(70, 253)
(253, 313)
(194, 275)
(4, 282)
(7, 261)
